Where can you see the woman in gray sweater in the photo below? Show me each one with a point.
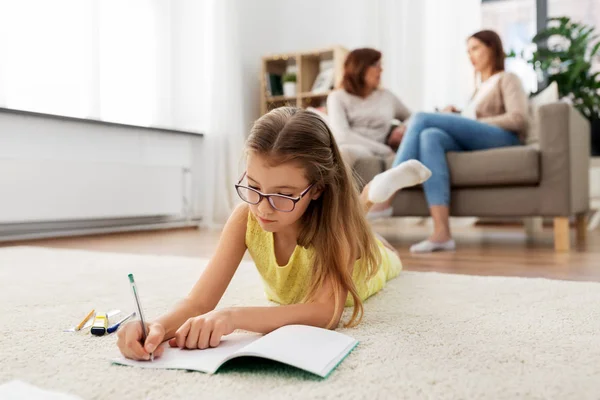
(361, 113)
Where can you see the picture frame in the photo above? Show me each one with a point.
(324, 81)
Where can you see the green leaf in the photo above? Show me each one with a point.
(595, 49)
(552, 54)
(584, 30)
(546, 33)
(541, 35)
(571, 67)
(562, 19)
(575, 70)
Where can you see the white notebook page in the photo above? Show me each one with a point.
(18, 390)
(207, 360)
(312, 349)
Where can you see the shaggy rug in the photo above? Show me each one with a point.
(426, 335)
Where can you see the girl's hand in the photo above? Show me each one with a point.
(130, 340)
(204, 331)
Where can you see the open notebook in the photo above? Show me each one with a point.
(312, 349)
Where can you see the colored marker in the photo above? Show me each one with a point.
(116, 326)
(100, 324)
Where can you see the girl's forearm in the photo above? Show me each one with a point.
(267, 319)
(172, 320)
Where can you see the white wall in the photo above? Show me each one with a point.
(423, 45)
(54, 169)
(423, 42)
(271, 26)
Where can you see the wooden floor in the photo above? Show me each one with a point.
(482, 250)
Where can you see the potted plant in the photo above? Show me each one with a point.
(565, 51)
(289, 84)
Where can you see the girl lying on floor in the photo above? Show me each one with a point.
(303, 223)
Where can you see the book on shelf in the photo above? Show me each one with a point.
(274, 84)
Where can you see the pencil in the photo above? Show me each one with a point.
(78, 327)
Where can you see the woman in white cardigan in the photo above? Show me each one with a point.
(361, 113)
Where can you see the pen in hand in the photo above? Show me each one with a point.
(139, 312)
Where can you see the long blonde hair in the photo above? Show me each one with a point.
(334, 225)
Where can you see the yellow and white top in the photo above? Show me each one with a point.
(288, 284)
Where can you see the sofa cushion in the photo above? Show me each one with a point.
(547, 96)
(514, 165)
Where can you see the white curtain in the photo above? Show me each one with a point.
(424, 46)
(43, 56)
(449, 76)
(100, 59)
(225, 132)
(133, 61)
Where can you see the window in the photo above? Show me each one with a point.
(582, 11)
(44, 63)
(586, 11)
(515, 22)
(99, 59)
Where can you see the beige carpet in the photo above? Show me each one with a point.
(427, 335)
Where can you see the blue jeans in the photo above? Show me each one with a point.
(429, 137)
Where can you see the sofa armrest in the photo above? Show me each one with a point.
(565, 158)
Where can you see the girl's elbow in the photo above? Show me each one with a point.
(330, 324)
(333, 319)
(325, 316)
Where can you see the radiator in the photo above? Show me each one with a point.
(38, 191)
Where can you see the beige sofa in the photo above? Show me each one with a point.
(549, 178)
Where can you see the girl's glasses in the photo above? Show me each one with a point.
(279, 202)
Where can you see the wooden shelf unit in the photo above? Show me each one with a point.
(307, 66)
